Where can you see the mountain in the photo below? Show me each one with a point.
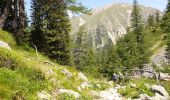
(107, 24)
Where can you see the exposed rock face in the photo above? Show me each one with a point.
(5, 45)
(161, 91)
(107, 24)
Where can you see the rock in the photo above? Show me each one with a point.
(85, 85)
(82, 76)
(144, 97)
(70, 92)
(165, 76)
(94, 93)
(160, 90)
(110, 94)
(44, 96)
(79, 88)
(66, 72)
(158, 97)
(149, 72)
(159, 58)
(5, 45)
(133, 85)
(50, 72)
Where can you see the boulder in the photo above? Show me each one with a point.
(43, 95)
(5, 45)
(66, 72)
(165, 76)
(149, 72)
(82, 76)
(160, 90)
(158, 97)
(70, 92)
(110, 94)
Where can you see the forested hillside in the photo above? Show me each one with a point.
(55, 57)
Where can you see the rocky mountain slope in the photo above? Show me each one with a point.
(107, 24)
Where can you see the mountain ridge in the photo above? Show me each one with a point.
(114, 18)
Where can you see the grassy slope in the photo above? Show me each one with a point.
(21, 75)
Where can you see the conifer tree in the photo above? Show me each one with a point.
(157, 17)
(56, 28)
(80, 49)
(37, 35)
(137, 29)
(151, 21)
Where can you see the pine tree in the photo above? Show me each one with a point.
(157, 17)
(168, 7)
(56, 31)
(151, 21)
(37, 36)
(137, 29)
(80, 49)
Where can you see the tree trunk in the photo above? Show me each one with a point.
(4, 15)
(21, 20)
(15, 23)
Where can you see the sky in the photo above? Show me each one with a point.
(159, 4)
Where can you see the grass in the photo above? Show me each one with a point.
(23, 76)
(132, 92)
(8, 38)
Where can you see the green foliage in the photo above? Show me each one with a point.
(8, 38)
(166, 84)
(83, 56)
(163, 69)
(151, 20)
(17, 76)
(77, 7)
(51, 34)
(166, 27)
(141, 87)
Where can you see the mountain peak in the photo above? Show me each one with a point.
(108, 23)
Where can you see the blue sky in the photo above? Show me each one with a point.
(159, 4)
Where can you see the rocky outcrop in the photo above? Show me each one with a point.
(160, 92)
(5, 45)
